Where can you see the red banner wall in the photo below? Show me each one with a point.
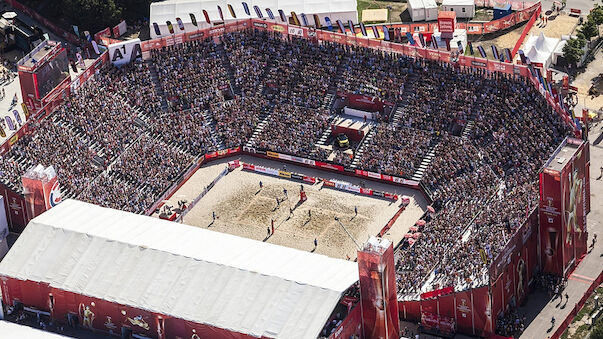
(551, 233)
(464, 312)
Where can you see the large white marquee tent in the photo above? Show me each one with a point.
(162, 12)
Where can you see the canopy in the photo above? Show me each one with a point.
(169, 10)
(171, 269)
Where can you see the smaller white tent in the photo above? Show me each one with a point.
(541, 49)
(15, 331)
(423, 10)
(462, 8)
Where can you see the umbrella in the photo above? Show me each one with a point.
(407, 235)
(413, 228)
(416, 235)
(430, 209)
(420, 222)
(9, 15)
(405, 199)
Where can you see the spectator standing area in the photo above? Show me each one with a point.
(243, 209)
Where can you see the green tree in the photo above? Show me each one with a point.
(92, 15)
(597, 332)
(596, 15)
(589, 29)
(572, 51)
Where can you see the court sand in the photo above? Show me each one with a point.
(243, 209)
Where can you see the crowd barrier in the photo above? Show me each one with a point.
(207, 188)
(391, 222)
(55, 29)
(346, 186)
(279, 173)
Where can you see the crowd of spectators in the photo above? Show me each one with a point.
(394, 150)
(293, 129)
(483, 185)
(510, 324)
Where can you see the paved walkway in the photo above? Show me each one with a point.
(539, 309)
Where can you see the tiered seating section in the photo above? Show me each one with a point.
(128, 135)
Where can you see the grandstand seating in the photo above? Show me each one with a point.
(475, 139)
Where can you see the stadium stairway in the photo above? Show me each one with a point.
(338, 76)
(358, 154)
(467, 130)
(260, 127)
(229, 69)
(158, 89)
(419, 172)
(211, 124)
(397, 116)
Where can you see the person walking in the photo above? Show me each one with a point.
(268, 232)
(315, 242)
(213, 216)
(272, 226)
(261, 184)
(355, 210)
(285, 191)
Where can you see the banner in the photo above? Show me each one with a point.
(125, 52)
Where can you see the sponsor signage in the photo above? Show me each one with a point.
(125, 52)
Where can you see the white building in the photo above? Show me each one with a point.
(462, 8)
(423, 10)
(172, 10)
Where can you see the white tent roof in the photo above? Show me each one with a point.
(540, 47)
(15, 331)
(207, 277)
(415, 4)
(458, 2)
(172, 9)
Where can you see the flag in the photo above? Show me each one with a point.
(80, 60)
(270, 14)
(509, 56)
(418, 41)
(363, 29)
(10, 123)
(95, 46)
(246, 8)
(435, 42)
(282, 14)
(295, 18)
(470, 47)
(304, 20)
(258, 12)
(329, 24)
(88, 36)
(411, 41)
(386, 36)
(76, 30)
(170, 27)
(341, 28)
(206, 17)
(193, 19)
(422, 39)
(220, 13)
(351, 25)
(17, 117)
(522, 57)
(2, 133)
(232, 12)
(460, 46)
(495, 52)
(376, 32)
(317, 21)
(482, 254)
(180, 24)
(481, 51)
